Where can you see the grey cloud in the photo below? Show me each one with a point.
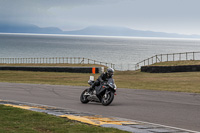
(140, 14)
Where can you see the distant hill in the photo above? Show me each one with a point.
(122, 31)
(91, 30)
(27, 28)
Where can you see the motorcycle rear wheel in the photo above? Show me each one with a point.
(106, 100)
(83, 98)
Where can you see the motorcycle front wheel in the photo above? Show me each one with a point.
(107, 98)
(83, 97)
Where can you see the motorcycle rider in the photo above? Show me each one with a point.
(103, 77)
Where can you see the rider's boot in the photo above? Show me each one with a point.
(90, 90)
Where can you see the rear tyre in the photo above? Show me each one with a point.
(83, 97)
(107, 99)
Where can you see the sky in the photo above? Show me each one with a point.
(171, 16)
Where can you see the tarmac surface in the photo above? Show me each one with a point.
(172, 109)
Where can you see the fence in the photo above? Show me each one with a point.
(54, 60)
(122, 67)
(169, 57)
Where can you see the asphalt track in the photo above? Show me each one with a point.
(181, 110)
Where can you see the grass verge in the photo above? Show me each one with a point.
(176, 63)
(179, 82)
(15, 120)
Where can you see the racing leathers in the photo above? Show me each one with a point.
(103, 77)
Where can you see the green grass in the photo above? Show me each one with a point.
(15, 120)
(179, 82)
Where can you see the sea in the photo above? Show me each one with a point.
(121, 51)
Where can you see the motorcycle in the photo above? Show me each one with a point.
(104, 93)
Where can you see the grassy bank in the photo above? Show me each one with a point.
(180, 82)
(176, 63)
(15, 120)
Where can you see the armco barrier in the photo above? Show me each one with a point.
(56, 69)
(169, 69)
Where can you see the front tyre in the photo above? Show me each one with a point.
(83, 97)
(107, 98)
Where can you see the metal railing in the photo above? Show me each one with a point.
(168, 57)
(54, 60)
(122, 67)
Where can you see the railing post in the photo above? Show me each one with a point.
(193, 55)
(83, 61)
(167, 57)
(186, 56)
(156, 58)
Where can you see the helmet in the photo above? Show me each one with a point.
(110, 71)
